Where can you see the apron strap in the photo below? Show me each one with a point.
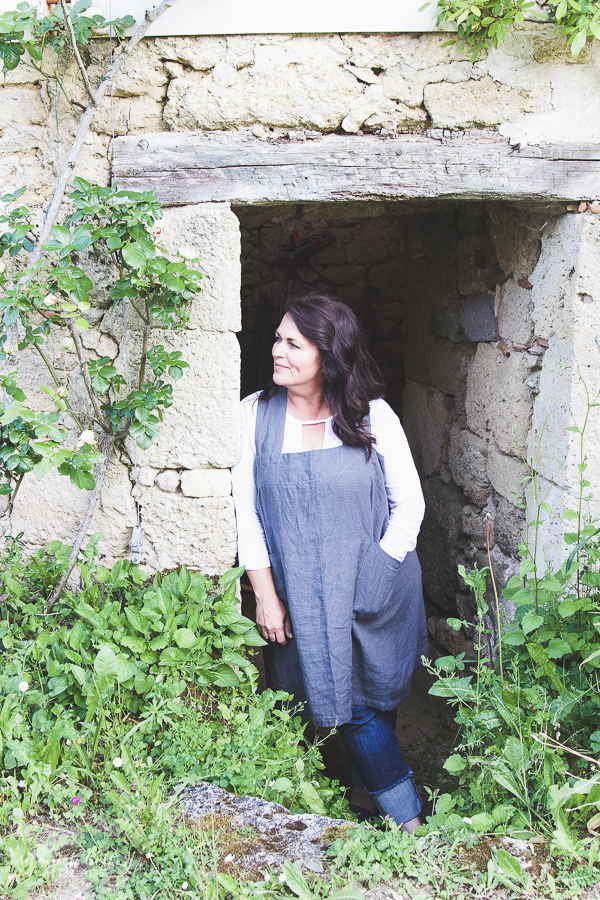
(270, 423)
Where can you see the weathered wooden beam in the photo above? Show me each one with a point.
(195, 167)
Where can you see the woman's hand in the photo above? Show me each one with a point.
(272, 618)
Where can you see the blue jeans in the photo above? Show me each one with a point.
(374, 751)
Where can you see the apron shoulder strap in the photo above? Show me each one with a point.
(270, 423)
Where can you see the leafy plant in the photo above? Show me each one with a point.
(485, 23)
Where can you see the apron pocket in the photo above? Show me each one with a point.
(375, 582)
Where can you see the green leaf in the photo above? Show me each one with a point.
(509, 864)
(530, 622)
(83, 480)
(184, 581)
(134, 255)
(295, 880)
(185, 638)
(455, 764)
(105, 663)
(81, 324)
(136, 620)
(312, 799)
(578, 42)
(226, 677)
(125, 669)
(540, 656)
(557, 648)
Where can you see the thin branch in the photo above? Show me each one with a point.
(72, 103)
(86, 377)
(9, 506)
(84, 124)
(106, 447)
(58, 384)
(145, 347)
(75, 48)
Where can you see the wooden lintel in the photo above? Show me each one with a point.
(195, 167)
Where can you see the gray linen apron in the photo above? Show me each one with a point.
(357, 614)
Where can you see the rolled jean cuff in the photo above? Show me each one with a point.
(402, 802)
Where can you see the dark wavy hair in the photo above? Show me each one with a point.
(350, 375)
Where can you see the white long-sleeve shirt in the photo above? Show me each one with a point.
(402, 483)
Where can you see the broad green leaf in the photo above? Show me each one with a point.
(76, 635)
(578, 42)
(81, 324)
(136, 619)
(105, 663)
(83, 480)
(134, 255)
(185, 638)
(530, 622)
(125, 669)
(226, 677)
(509, 864)
(231, 576)
(455, 764)
(312, 799)
(557, 648)
(295, 881)
(184, 581)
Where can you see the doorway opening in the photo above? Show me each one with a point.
(438, 288)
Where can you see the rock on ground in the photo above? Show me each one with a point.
(260, 833)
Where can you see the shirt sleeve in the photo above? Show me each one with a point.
(252, 546)
(402, 483)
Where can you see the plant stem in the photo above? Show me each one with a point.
(145, 347)
(86, 377)
(75, 49)
(107, 443)
(84, 124)
(9, 506)
(499, 627)
(57, 383)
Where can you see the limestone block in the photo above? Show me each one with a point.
(516, 238)
(179, 530)
(374, 110)
(397, 86)
(146, 475)
(168, 481)
(553, 280)
(21, 106)
(515, 313)
(386, 277)
(445, 365)
(365, 247)
(298, 82)
(498, 401)
(202, 427)
(425, 421)
(143, 74)
(468, 464)
(52, 509)
(482, 103)
(206, 483)
(201, 54)
(213, 232)
(129, 115)
(507, 474)
(93, 162)
(509, 526)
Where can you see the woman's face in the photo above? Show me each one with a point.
(296, 362)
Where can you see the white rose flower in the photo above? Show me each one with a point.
(86, 437)
(50, 300)
(187, 253)
(8, 348)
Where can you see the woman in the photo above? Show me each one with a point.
(329, 505)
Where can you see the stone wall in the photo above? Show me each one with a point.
(362, 264)
(468, 400)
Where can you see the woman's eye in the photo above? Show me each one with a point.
(295, 346)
